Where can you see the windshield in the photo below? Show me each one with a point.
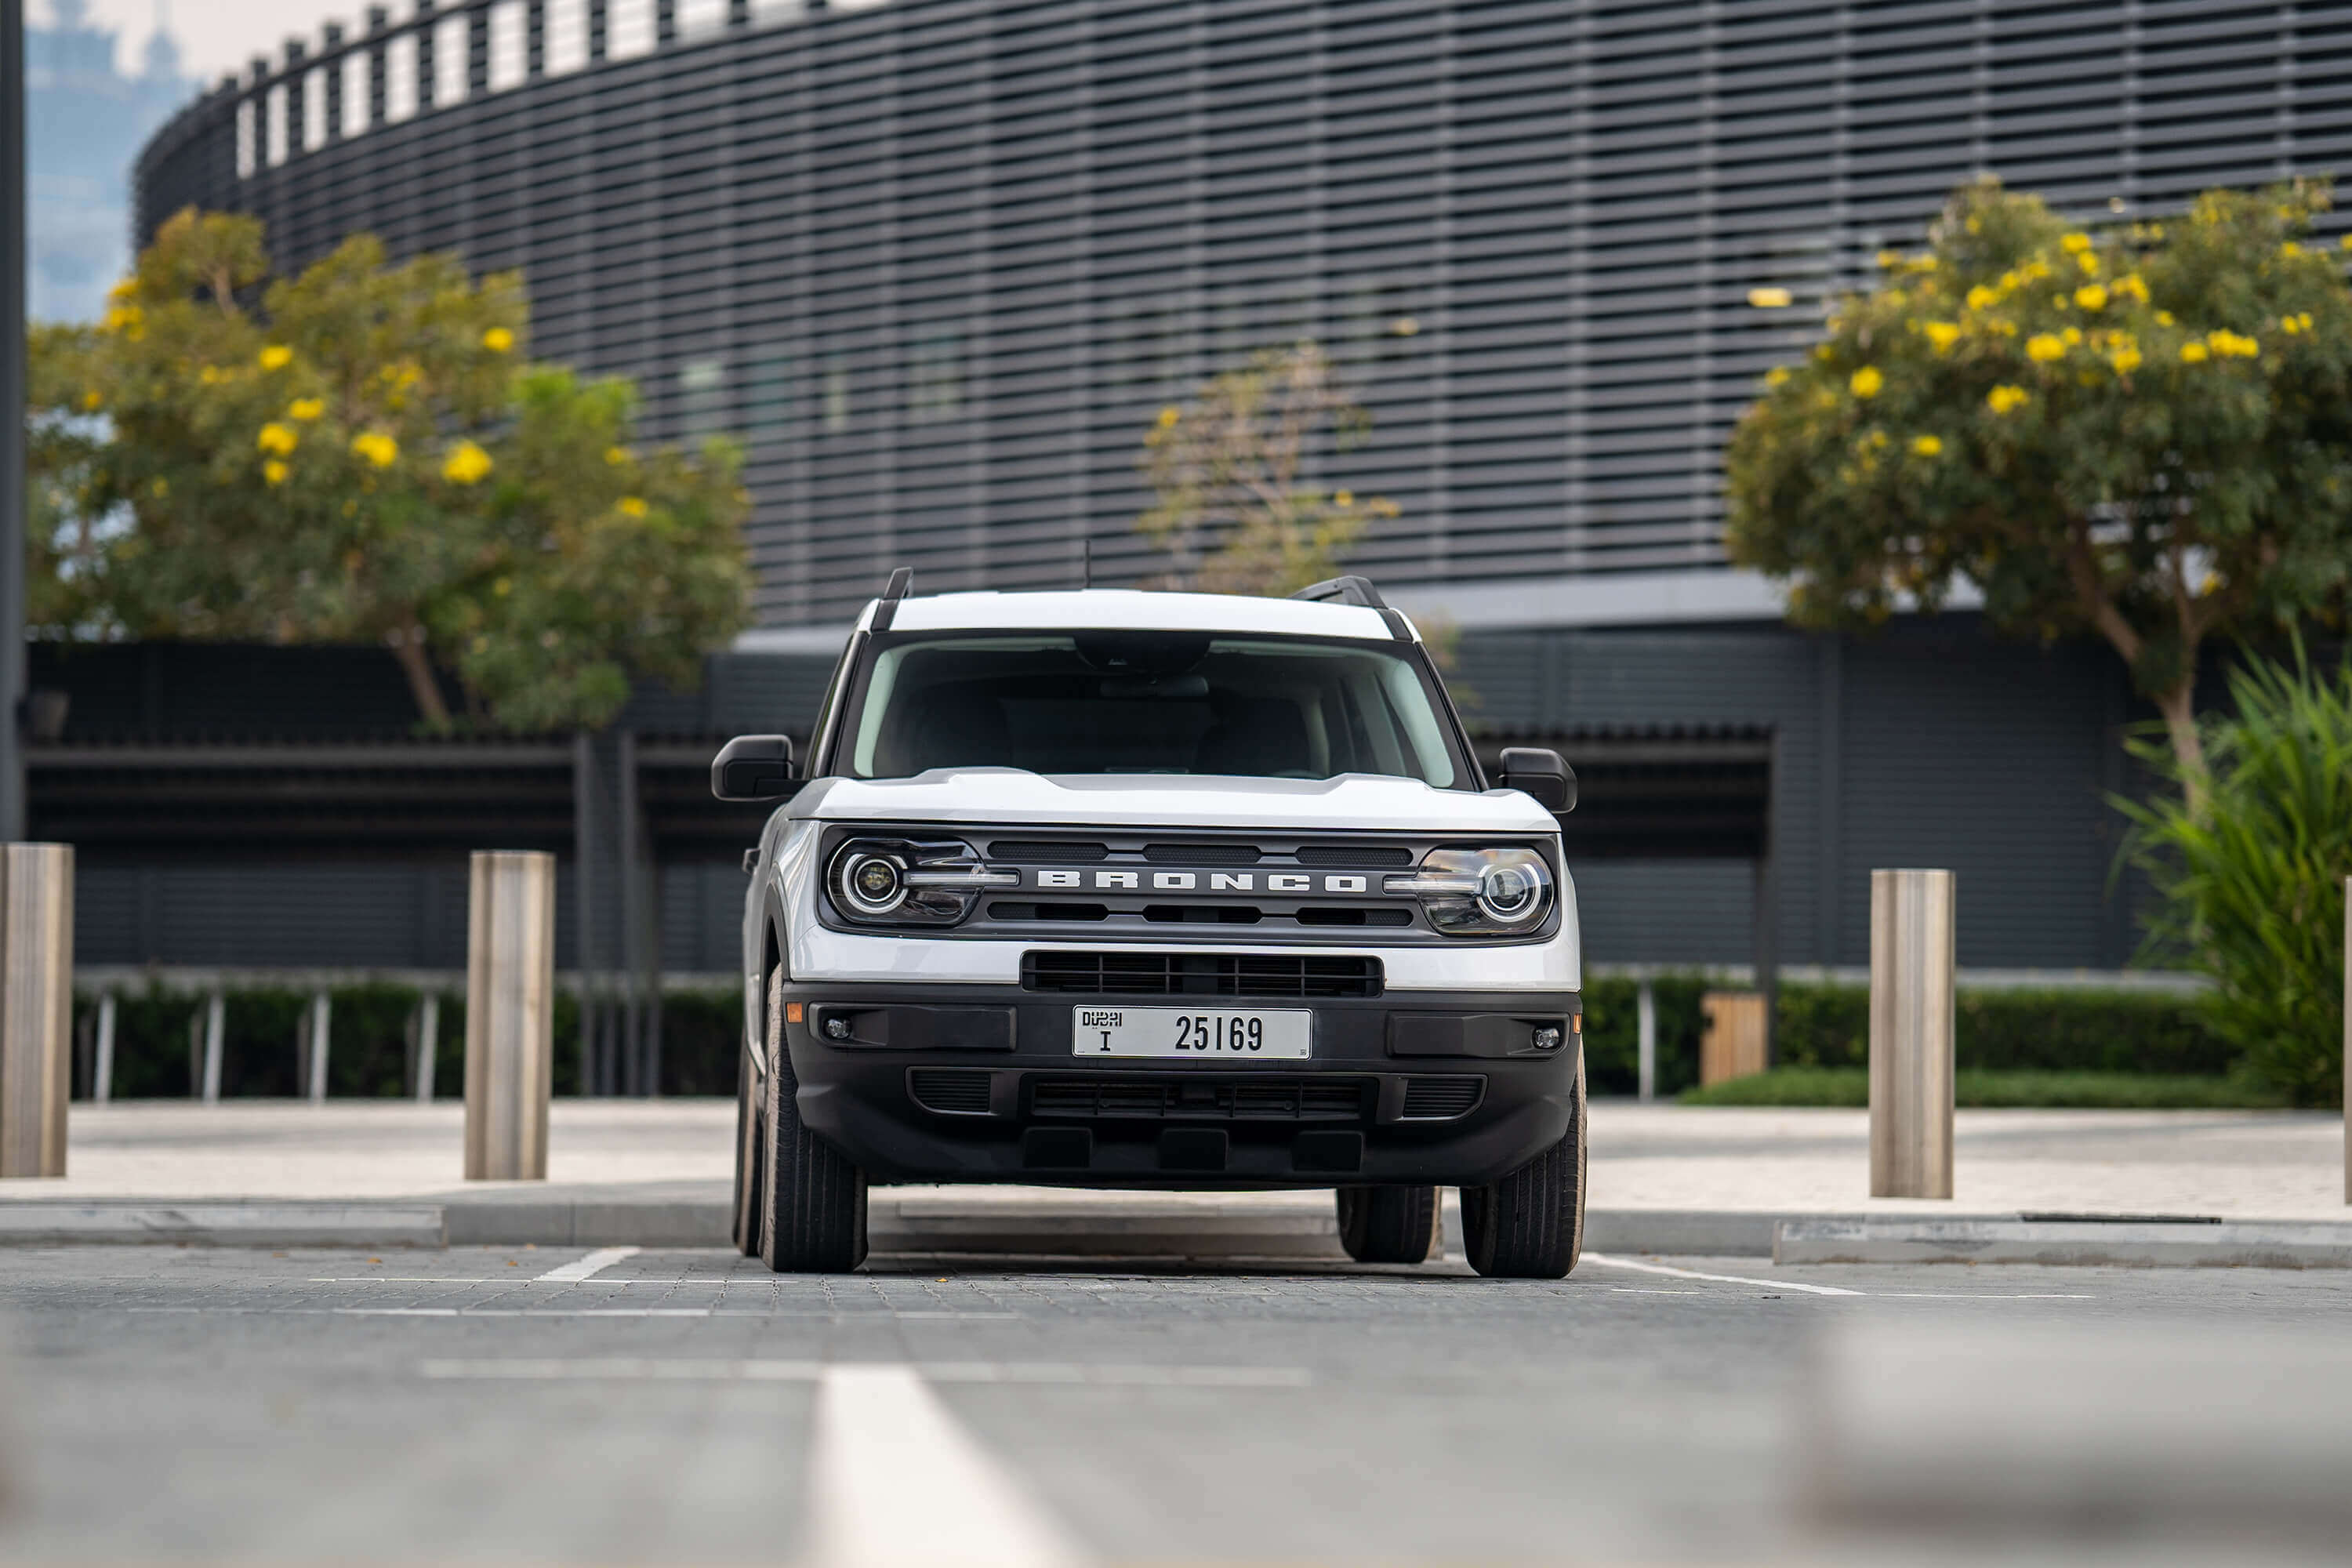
(1146, 703)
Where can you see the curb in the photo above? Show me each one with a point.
(2121, 1242)
(976, 1224)
(224, 1224)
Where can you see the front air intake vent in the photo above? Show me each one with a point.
(1198, 975)
(950, 1091)
(1345, 915)
(1440, 1098)
(1201, 1097)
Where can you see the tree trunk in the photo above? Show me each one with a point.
(2179, 712)
(408, 646)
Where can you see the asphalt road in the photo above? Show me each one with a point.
(168, 1404)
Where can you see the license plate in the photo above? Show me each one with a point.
(1191, 1035)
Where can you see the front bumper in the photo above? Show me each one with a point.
(979, 1083)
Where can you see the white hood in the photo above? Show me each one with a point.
(1354, 803)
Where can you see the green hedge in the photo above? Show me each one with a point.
(154, 1057)
(2054, 1030)
(1797, 1086)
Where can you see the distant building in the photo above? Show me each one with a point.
(84, 123)
(939, 263)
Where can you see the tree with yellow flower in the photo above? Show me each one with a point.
(1233, 508)
(2142, 430)
(362, 453)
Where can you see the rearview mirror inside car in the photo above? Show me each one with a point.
(1545, 774)
(753, 768)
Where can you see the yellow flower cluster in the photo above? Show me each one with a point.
(277, 356)
(1926, 445)
(377, 447)
(306, 408)
(1982, 299)
(1943, 334)
(1866, 382)
(2131, 285)
(631, 506)
(128, 319)
(2125, 357)
(616, 456)
(2194, 354)
(2004, 399)
(2044, 347)
(277, 439)
(497, 339)
(274, 472)
(466, 464)
(2091, 297)
(2231, 345)
(2075, 244)
(2298, 322)
(1776, 376)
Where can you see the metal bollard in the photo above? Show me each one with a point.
(101, 1072)
(510, 1014)
(35, 1006)
(426, 1044)
(214, 1023)
(1646, 1040)
(1911, 1028)
(315, 1068)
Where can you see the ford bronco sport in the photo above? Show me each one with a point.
(1114, 888)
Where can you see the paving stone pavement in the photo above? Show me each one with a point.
(2238, 1164)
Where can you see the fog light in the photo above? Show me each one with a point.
(837, 1028)
(1548, 1037)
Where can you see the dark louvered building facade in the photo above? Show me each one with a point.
(939, 262)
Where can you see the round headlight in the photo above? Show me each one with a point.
(1510, 894)
(870, 883)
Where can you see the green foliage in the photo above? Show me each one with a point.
(2061, 1031)
(2253, 884)
(156, 1056)
(1849, 1086)
(364, 455)
(2143, 430)
(1231, 510)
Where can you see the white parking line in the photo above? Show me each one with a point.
(587, 1268)
(895, 1482)
(1607, 1261)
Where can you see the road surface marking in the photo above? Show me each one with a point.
(1981, 1296)
(1641, 1291)
(1606, 1261)
(895, 1482)
(587, 1268)
(625, 1369)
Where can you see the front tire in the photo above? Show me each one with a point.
(750, 1153)
(1530, 1224)
(813, 1199)
(1388, 1224)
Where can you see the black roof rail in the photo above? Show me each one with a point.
(901, 580)
(1354, 590)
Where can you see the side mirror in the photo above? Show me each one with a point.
(1542, 774)
(753, 768)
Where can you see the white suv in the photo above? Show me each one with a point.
(1111, 888)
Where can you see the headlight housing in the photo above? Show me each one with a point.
(1481, 892)
(907, 881)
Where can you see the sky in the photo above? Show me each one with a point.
(216, 37)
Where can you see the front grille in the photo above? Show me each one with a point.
(1343, 915)
(1348, 856)
(1198, 975)
(954, 1091)
(1202, 914)
(1048, 851)
(1201, 854)
(1255, 1097)
(1440, 1098)
(1047, 911)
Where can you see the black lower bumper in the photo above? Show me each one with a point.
(979, 1083)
